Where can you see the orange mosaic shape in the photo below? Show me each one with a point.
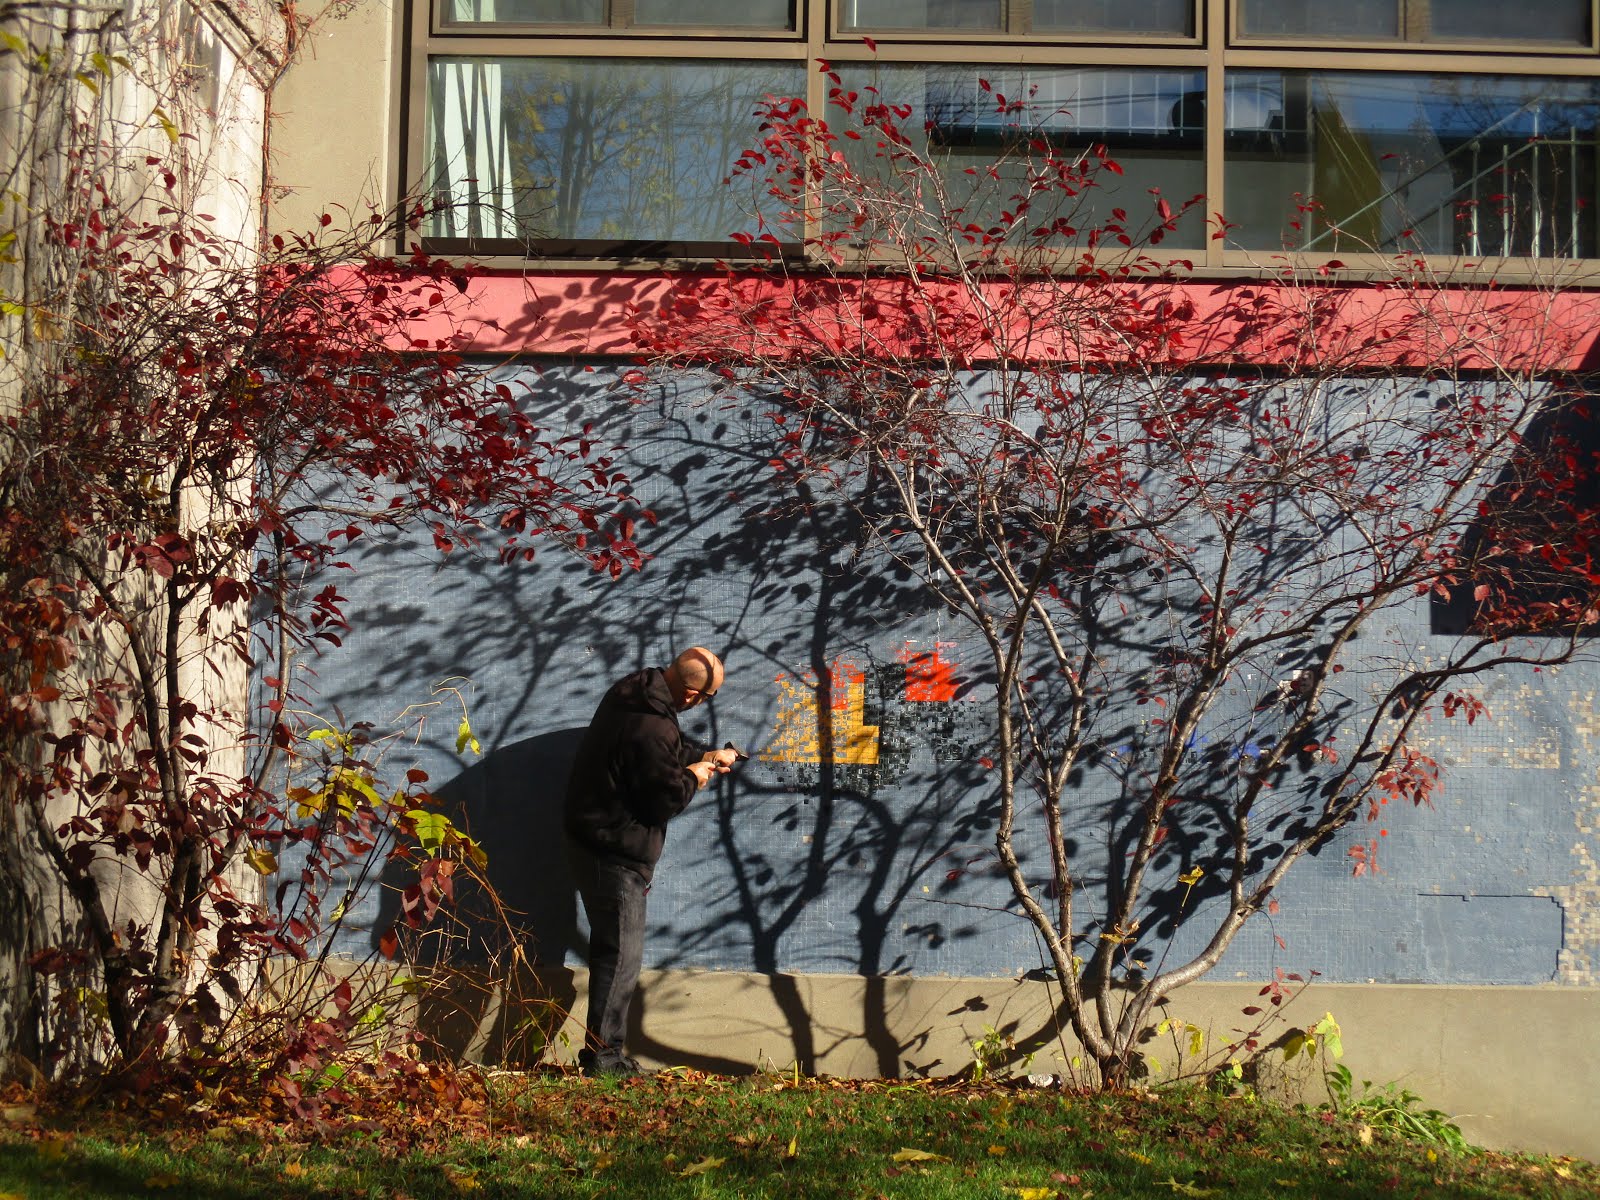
(930, 674)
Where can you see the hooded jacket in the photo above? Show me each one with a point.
(628, 779)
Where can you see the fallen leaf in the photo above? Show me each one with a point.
(1185, 1189)
(1364, 1135)
(293, 1169)
(907, 1154)
(462, 1181)
(1034, 1193)
(997, 1151)
(701, 1167)
(793, 1148)
(53, 1149)
(165, 1180)
(1137, 1157)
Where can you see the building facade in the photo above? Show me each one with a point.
(833, 906)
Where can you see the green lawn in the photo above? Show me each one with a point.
(693, 1136)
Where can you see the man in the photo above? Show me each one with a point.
(634, 772)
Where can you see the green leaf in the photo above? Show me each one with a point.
(465, 738)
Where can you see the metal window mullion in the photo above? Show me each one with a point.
(815, 92)
(1215, 36)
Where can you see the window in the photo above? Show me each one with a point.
(601, 129)
(1174, 18)
(1142, 117)
(590, 150)
(1564, 22)
(749, 14)
(1475, 165)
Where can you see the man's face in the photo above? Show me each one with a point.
(691, 696)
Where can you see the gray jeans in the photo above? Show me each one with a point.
(613, 898)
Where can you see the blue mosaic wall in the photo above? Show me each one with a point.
(884, 864)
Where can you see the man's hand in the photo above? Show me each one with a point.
(702, 772)
(722, 759)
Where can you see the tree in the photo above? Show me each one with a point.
(195, 426)
(1175, 516)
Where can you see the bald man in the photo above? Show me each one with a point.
(634, 772)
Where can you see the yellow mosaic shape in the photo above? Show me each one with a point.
(797, 735)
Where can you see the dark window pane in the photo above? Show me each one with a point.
(1151, 121)
(612, 149)
(1172, 17)
(921, 14)
(1353, 20)
(526, 12)
(1475, 165)
(747, 14)
(1549, 21)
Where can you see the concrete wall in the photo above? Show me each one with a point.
(844, 915)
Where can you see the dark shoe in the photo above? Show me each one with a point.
(610, 1067)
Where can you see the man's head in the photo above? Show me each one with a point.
(695, 675)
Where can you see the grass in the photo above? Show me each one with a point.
(693, 1136)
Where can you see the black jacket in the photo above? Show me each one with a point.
(628, 779)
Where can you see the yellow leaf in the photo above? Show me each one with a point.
(907, 1154)
(1562, 1172)
(601, 1162)
(264, 862)
(53, 1149)
(293, 1169)
(1137, 1157)
(1034, 1193)
(1190, 878)
(997, 1151)
(164, 1180)
(701, 1167)
(793, 1148)
(463, 1181)
(1364, 1135)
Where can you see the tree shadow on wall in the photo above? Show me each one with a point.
(496, 987)
(870, 830)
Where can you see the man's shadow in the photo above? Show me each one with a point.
(491, 966)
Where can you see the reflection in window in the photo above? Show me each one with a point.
(1151, 121)
(1174, 18)
(747, 14)
(611, 149)
(527, 12)
(1352, 19)
(921, 14)
(1445, 164)
(1553, 21)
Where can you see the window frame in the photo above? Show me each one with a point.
(1214, 51)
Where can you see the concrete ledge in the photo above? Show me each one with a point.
(1518, 1067)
